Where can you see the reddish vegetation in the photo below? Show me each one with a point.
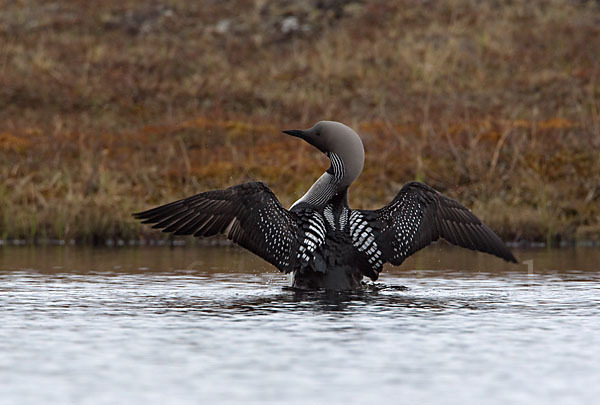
(110, 107)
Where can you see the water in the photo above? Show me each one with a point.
(216, 325)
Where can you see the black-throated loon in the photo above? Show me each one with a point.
(320, 240)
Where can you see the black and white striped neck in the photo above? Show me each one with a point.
(332, 183)
(337, 168)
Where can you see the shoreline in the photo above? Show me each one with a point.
(221, 242)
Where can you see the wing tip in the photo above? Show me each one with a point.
(510, 258)
(143, 214)
(143, 217)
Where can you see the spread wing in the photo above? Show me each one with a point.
(249, 214)
(416, 217)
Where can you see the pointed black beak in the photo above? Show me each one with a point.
(297, 133)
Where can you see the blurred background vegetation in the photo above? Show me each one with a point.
(110, 107)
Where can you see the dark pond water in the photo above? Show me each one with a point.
(216, 325)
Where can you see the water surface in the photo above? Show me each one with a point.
(217, 325)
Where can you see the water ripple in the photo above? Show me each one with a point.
(139, 334)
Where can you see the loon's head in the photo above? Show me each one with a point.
(332, 137)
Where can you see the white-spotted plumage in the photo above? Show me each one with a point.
(402, 219)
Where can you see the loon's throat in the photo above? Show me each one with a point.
(323, 190)
(335, 180)
(337, 168)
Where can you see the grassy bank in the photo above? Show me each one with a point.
(111, 107)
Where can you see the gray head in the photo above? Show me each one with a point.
(332, 137)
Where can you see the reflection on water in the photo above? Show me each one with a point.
(217, 325)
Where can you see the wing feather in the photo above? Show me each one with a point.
(249, 214)
(419, 215)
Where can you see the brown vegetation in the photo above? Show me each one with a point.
(111, 107)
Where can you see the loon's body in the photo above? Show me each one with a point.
(320, 240)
